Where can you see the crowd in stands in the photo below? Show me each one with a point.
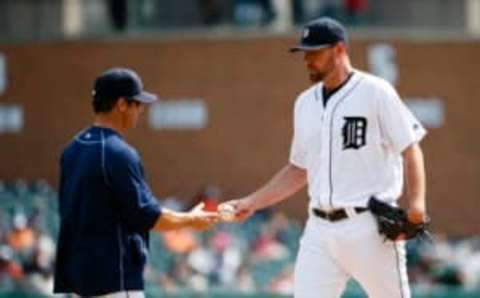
(28, 225)
(255, 256)
(242, 13)
(265, 12)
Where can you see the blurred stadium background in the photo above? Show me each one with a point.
(222, 127)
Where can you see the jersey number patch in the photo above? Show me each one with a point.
(354, 132)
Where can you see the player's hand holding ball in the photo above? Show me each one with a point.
(235, 210)
(226, 212)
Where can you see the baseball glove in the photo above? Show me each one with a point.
(393, 222)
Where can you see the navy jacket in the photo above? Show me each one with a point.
(106, 210)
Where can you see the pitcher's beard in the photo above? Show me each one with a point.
(316, 77)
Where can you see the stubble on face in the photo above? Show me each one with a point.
(316, 77)
(319, 73)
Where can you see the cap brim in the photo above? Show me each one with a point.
(303, 48)
(146, 97)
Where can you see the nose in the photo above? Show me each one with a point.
(307, 60)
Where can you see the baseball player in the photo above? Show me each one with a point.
(353, 140)
(106, 207)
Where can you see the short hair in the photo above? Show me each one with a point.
(105, 105)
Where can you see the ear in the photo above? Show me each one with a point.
(341, 48)
(121, 104)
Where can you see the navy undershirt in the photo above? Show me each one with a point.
(326, 95)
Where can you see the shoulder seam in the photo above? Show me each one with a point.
(104, 169)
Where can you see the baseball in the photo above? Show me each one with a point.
(226, 212)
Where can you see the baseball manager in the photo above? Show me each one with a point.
(106, 207)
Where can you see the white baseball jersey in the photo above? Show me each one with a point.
(351, 148)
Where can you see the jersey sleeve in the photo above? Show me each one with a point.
(139, 209)
(297, 149)
(399, 126)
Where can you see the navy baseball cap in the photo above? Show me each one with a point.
(121, 82)
(321, 33)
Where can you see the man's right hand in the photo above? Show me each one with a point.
(201, 220)
(197, 219)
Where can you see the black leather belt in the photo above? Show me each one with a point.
(337, 214)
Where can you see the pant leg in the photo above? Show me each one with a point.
(317, 274)
(378, 265)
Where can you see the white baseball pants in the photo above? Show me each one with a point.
(332, 252)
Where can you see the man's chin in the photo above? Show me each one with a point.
(315, 77)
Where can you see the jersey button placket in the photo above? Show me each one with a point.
(325, 159)
(330, 154)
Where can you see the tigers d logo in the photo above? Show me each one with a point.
(354, 132)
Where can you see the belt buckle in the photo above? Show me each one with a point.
(329, 215)
(335, 215)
